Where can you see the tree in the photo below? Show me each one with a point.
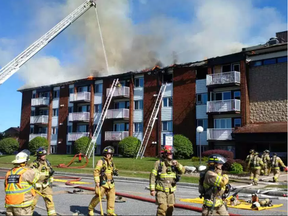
(9, 145)
(81, 144)
(183, 146)
(129, 146)
(36, 143)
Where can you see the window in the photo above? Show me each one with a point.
(222, 123)
(71, 90)
(269, 61)
(138, 105)
(236, 67)
(55, 112)
(256, 63)
(138, 127)
(68, 149)
(98, 88)
(98, 108)
(237, 122)
(69, 128)
(167, 102)
(42, 130)
(203, 123)
(167, 126)
(226, 68)
(226, 95)
(56, 93)
(31, 130)
(84, 108)
(121, 127)
(53, 149)
(282, 59)
(32, 112)
(122, 105)
(33, 95)
(139, 82)
(82, 128)
(54, 130)
(43, 94)
(43, 112)
(70, 109)
(222, 96)
(201, 99)
(237, 95)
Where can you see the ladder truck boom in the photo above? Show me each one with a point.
(13, 66)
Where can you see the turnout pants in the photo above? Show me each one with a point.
(276, 173)
(254, 175)
(110, 195)
(220, 210)
(165, 202)
(13, 211)
(47, 192)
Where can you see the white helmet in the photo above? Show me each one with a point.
(22, 157)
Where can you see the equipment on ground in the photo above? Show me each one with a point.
(151, 122)
(13, 66)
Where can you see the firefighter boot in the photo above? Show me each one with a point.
(91, 213)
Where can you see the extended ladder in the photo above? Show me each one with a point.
(14, 65)
(102, 117)
(151, 122)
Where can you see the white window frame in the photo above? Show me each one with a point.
(138, 102)
(226, 123)
(168, 129)
(135, 81)
(168, 101)
(137, 126)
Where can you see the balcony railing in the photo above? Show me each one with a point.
(219, 133)
(120, 92)
(42, 119)
(80, 96)
(117, 113)
(76, 135)
(223, 106)
(115, 135)
(232, 77)
(32, 136)
(79, 116)
(43, 101)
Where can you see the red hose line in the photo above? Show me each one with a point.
(188, 207)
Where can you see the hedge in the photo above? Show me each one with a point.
(224, 153)
(81, 144)
(183, 147)
(8, 145)
(36, 143)
(129, 146)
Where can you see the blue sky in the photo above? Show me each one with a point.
(192, 28)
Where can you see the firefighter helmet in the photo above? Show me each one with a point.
(216, 159)
(22, 157)
(256, 153)
(168, 150)
(108, 150)
(267, 151)
(41, 151)
(251, 151)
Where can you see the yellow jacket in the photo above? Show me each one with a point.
(103, 173)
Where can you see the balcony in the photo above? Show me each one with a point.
(79, 116)
(43, 101)
(117, 114)
(32, 136)
(223, 79)
(80, 97)
(223, 106)
(219, 133)
(115, 135)
(42, 119)
(120, 92)
(76, 135)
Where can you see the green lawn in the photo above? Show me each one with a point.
(129, 167)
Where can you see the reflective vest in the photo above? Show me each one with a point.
(256, 162)
(16, 188)
(104, 174)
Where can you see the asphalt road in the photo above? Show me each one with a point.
(67, 204)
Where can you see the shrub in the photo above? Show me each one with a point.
(227, 166)
(183, 146)
(224, 153)
(129, 146)
(36, 143)
(196, 159)
(237, 168)
(81, 144)
(9, 145)
(242, 162)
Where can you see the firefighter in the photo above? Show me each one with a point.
(163, 178)
(214, 185)
(103, 176)
(275, 162)
(266, 162)
(255, 166)
(46, 178)
(19, 183)
(250, 156)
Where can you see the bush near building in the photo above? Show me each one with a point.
(236, 168)
(224, 153)
(242, 162)
(128, 147)
(183, 147)
(9, 145)
(81, 145)
(36, 143)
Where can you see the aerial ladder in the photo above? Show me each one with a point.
(13, 66)
(151, 122)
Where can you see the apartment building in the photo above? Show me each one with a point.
(220, 94)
